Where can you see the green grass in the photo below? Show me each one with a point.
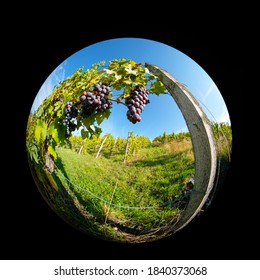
(116, 201)
(121, 199)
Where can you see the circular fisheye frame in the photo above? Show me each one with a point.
(128, 145)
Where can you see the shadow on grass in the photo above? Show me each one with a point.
(169, 159)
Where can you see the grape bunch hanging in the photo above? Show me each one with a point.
(90, 102)
(99, 100)
(136, 102)
(96, 100)
(71, 113)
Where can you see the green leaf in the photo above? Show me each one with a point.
(117, 77)
(33, 152)
(128, 81)
(61, 130)
(53, 130)
(133, 78)
(88, 122)
(158, 88)
(52, 152)
(107, 114)
(109, 72)
(40, 130)
(98, 130)
(129, 70)
(84, 133)
(35, 157)
(50, 110)
(101, 116)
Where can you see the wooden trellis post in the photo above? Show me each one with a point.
(127, 147)
(203, 143)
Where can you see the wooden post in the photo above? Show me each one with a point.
(101, 146)
(82, 146)
(203, 143)
(113, 147)
(127, 146)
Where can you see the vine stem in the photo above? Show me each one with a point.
(117, 101)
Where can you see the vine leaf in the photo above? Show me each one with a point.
(101, 116)
(53, 131)
(50, 119)
(158, 87)
(40, 130)
(129, 70)
(84, 133)
(52, 152)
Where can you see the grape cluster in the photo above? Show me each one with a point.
(71, 113)
(136, 102)
(96, 100)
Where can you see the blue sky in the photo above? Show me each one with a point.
(161, 114)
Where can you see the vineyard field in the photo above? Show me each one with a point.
(122, 201)
(128, 188)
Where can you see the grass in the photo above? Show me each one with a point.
(116, 201)
(129, 196)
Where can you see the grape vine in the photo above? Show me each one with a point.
(84, 100)
(99, 100)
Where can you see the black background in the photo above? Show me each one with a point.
(29, 229)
